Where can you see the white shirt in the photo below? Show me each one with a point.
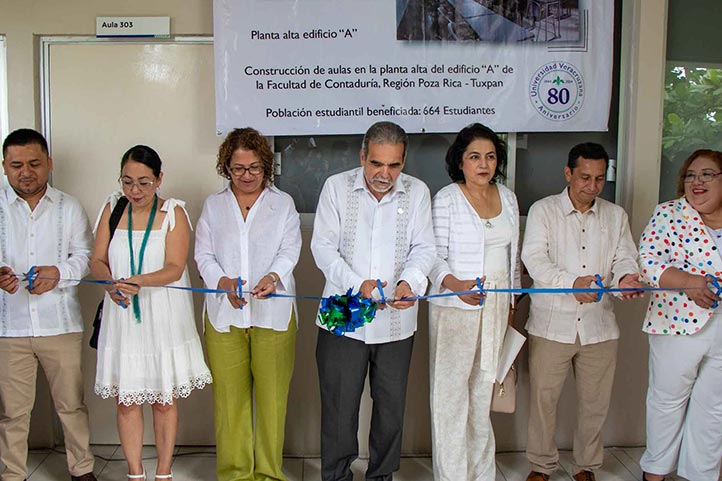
(57, 233)
(498, 236)
(268, 240)
(461, 241)
(356, 237)
(561, 244)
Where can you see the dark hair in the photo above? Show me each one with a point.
(385, 132)
(143, 155)
(588, 150)
(25, 137)
(455, 154)
(247, 139)
(715, 155)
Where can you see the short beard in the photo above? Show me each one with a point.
(380, 191)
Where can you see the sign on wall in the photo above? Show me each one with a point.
(335, 66)
(141, 27)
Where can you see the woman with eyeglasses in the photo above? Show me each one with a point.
(680, 250)
(148, 350)
(248, 241)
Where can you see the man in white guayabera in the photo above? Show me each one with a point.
(42, 227)
(372, 222)
(570, 237)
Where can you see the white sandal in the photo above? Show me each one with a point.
(164, 476)
(137, 476)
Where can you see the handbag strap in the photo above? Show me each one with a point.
(116, 215)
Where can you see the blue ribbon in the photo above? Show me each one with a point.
(354, 310)
(715, 282)
(31, 276)
(358, 311)
(380, 286)
(598, 282)
(480, 286)
(121, 302)
(239, 290)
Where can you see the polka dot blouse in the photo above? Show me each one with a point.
(676, 237)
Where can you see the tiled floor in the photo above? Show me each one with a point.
(198, 463)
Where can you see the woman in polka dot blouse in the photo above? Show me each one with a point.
(681, 248)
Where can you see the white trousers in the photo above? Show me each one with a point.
(464, 350)
(684, 404)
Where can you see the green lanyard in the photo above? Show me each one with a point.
(151, 218)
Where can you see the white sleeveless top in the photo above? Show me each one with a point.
(498, 234)
(160, 358)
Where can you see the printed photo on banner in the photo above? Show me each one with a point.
(555, 21)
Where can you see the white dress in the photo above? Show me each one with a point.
(160, 358)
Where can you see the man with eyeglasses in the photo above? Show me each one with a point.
(372, 222)
(569, 238)
(43, 227)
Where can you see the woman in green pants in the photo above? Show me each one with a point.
(249, 231)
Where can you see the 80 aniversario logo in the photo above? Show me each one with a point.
(557, 91)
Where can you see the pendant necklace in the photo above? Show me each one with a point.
(473, 202)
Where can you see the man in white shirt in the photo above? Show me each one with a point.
(42, 227)
(569, 238)
(372, 222)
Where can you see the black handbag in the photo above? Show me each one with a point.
(113, 223)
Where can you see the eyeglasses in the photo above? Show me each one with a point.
(703, 177)
(143, 184)
(239, 170)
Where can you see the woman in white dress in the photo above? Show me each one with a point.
(476, 224)
(148, 351)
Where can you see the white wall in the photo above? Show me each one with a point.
(3, 90)
(3, 97)
(643, 61)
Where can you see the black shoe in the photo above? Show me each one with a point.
(644, 477)
(84, 477)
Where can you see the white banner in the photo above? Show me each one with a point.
(290, 67)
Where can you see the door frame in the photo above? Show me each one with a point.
(46, 42)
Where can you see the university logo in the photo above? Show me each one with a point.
(556, 91)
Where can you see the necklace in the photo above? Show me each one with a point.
(479, 205)
(151, 218)
(246, 205)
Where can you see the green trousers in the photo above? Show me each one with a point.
(244, 363)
